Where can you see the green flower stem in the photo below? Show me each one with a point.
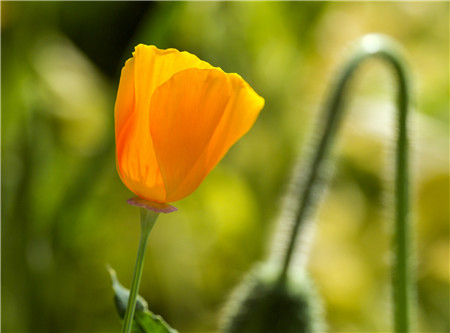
(381, 47)
(148, 219)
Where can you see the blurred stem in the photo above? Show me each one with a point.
(381, 47)
(148, 219)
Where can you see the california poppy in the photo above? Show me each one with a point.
(175, 117)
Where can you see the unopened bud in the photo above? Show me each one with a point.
(265, 304)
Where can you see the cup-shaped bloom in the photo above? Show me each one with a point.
(175, 117)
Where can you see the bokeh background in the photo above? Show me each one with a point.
(63, 209)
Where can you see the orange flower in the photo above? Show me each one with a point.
(175, 117)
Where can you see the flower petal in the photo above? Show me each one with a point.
(195, 117)
(124, 109)
(239, 116)
(125, 96)
(136, 160)
(154, 67)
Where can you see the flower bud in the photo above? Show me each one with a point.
(264, 303)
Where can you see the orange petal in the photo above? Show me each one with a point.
(123, 112)
(154, 67)
(125, 97)
(195, 117)
(136, 160)
(242, 110)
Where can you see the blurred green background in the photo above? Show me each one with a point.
(63, 209)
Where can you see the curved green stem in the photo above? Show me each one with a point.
(148, 219)
(371, 46)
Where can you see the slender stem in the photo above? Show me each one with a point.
(370, 46)
(401, 270)
(148, 219)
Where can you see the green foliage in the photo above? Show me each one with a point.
(147, 322)
(144, 320)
